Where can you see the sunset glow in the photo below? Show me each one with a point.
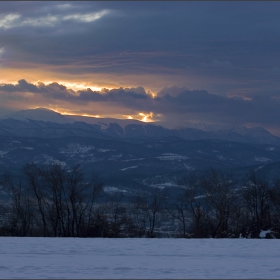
(110, 103)
(63, 112)
(79, 86)
(99, 59)
(143, 117)
(146, 117)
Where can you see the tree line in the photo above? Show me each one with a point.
(52, 201)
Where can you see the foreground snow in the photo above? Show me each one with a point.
(138, 258)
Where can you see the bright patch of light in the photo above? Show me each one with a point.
(75, 114)
(64, 6)
(152, 94)
(65, 112)
(143, 117)
(69, 85)
(49, 108)
(14, 20)
(42, 21)
(9, 20)
(91, 116)
(3, 82)
(74, 86)
(79, 86)
(146, 117)
(86, 17)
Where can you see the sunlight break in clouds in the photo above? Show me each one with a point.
(70, 85)
(77, 86)
(143, 117)
(69, 113)
(146, 117)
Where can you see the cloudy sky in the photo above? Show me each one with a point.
(173, 62)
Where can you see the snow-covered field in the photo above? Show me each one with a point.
(138, 258)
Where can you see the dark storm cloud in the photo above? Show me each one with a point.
(127, 96)
(227, 48)
(55, 91)
(181, 104)
(202, 106)
(22, 86)
(235, 42)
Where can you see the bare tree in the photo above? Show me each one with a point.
(140, 214)
(275, 199)
(117, 216)
(178, 210)
(193, 203)
(154, 205)
(72, 198)
(54, 178)
(220, 196)
(93, 190)
(33, 176)
(257, 202)
(22, 211)
(64, 199)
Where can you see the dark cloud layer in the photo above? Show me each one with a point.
(235, 43)
(180, 105)
(208, 61)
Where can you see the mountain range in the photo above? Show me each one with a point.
(45, 123)
(129, 154)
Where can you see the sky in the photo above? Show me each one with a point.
(175, 63)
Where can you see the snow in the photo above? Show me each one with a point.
(130, 167)
(103, 258)
(270, 148)
(134, 159)
(171, 156)
(40, 114)
(50, 160)
(260, 167)
(264, 232)
(74, 148)
(113, 189)
(104, 150)
(164, 185)
(262, 159)
(115, 157)
(221, 157)
(3, 153)
(104, 122)
(189, 167)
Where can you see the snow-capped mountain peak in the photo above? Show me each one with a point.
(40, 114)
